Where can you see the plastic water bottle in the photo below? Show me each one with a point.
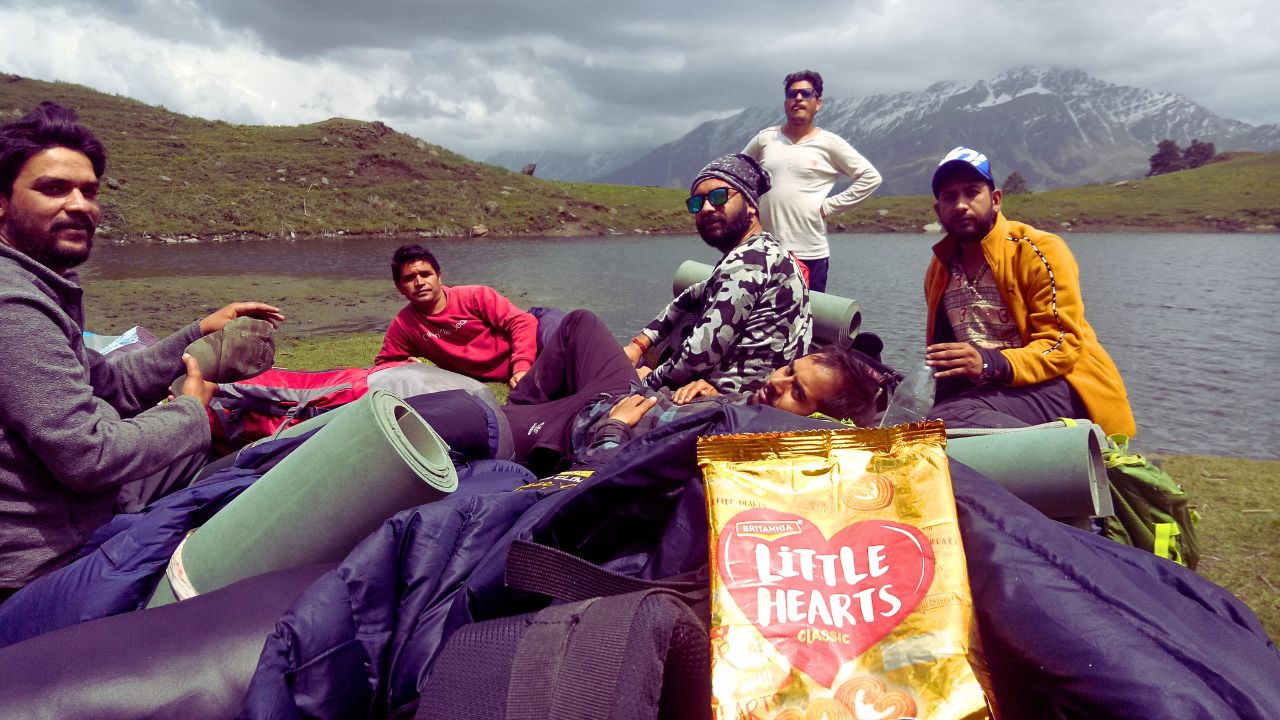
(913, 398)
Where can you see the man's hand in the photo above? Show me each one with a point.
(631, 408)
(695, 389)
(634, 353)
(954, 360)
(195, 385)
(218, 320)
(643, 372)
(515, 379)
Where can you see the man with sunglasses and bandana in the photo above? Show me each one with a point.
(805, 162)
(752, 314)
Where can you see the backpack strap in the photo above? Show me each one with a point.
(289, 418)
(534, 567)
(1163, 545)
(303, 410)
(569, 662)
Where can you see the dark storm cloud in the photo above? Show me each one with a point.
(307, 28)
(173, 20)
(570, 75)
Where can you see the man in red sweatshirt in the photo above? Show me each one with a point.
(469, 329)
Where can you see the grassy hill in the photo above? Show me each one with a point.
(172, 176)
(1240, 193)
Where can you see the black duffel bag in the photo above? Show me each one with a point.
(189, 660)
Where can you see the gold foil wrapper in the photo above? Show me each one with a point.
(839, 587)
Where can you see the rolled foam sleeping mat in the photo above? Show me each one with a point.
(459, 436)
(459, 408)
(404, 381)
(1056, 467)
(371, 460)
(835, 319)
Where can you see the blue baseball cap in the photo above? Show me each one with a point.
(967, 157)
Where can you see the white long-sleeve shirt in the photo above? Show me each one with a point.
(803, 174)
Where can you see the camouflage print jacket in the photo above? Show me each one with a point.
(749, 318)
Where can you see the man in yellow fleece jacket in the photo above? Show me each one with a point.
(1007, 338)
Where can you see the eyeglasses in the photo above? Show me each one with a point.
(803, 93)
(717, 198)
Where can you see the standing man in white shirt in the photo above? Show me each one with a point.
(805, 161)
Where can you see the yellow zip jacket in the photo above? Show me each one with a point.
(1040, 284)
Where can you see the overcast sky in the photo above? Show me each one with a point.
(479, 76)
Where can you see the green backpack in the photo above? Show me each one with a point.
(1151, 510)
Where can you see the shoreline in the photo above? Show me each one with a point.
(1157, 457)
(240, 236)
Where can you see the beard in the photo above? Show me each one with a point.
(981, 226)
(722, 231)
(45, 246)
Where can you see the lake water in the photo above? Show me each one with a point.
(1189, 319)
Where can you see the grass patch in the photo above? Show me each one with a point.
(323, 352)
(1239, 526)
(1235, 195)
(328, 307)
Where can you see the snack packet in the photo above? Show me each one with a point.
(839, 588)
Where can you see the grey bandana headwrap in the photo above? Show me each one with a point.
(742, 173)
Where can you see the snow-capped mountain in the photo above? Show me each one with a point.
(1058, 127)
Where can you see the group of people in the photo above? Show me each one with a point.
(1006, 332)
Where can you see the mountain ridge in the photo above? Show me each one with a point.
(1058, 127)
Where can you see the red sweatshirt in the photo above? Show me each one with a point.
(479, 333)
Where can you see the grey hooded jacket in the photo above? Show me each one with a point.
(74, 425)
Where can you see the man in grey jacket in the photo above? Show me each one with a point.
(76, 426)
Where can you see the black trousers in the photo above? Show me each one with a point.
(1001, 406)
(818, 273)
(578, 364)
(141, 492)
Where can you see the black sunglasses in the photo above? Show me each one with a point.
(804, 93)
(716, 197)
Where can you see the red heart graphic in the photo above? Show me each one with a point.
(823, 602)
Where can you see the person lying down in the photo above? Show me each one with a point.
(582, 399)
